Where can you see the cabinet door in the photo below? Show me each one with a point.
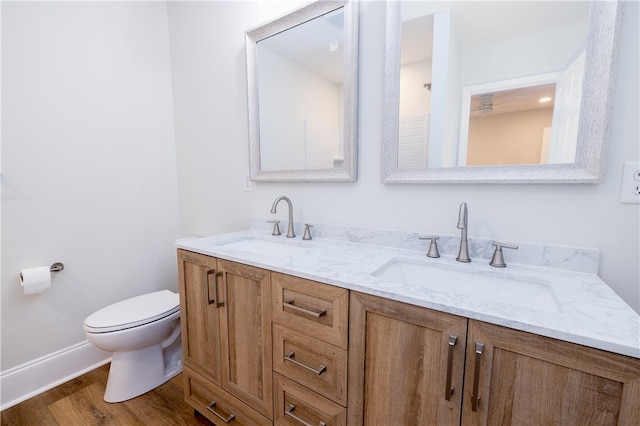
(405, 364)
(245, 324)
(199, 317)
(520, 378)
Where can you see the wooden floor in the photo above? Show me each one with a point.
(79, 402)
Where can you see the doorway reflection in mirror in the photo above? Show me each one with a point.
(511, 126)
(454, 46)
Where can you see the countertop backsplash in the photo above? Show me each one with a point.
(575, 259)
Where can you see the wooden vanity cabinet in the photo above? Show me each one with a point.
(402, 366)
(406, 364)
(521, 378)
(296, 405)
(262, 348)
(199, 319)
(310, 340)
(313, 308)
(226, 337)
(217, 405)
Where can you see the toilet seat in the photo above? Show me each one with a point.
(134, 312)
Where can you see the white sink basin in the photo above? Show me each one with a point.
(264, 247)
(500, 286)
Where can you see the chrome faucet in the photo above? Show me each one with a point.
(463, 254)
(290, 233)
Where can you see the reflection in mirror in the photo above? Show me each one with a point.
(302, 75)
(300, 95)
(511, 122)
(509, 127)
(415, 91)
(487, 56)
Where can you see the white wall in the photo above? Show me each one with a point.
(282, 128)
(416, 99)
(577, 215)
(88, 165)
(523, 56)
(511, 138)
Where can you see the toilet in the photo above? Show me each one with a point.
(144, 335)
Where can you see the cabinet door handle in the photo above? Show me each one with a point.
(215, 287)
(215, 291)
(475, 399)
(289, 357)
(289, 412)
(448, 390)
(215, 296)
(290, 304)
(211, 407)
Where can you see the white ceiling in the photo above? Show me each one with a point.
(514, 100)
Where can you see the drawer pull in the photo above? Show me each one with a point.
(289, 304)
(289, 357)
(211, 407)
(289, 412)
(448, 390)
(475, 399)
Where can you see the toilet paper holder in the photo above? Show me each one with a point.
(56, 267)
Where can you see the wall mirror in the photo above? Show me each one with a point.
(498, 92)
(302, 74)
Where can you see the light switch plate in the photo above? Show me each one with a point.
(630, 189)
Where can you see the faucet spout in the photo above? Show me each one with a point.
(463, 253)
(290, 232)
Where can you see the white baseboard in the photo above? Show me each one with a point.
(27, 380)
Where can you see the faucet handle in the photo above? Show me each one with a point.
(498, 258)
(307, 231)
(433, 246)
(276, 227)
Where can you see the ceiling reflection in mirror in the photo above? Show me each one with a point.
(469, 83)
(300, 92)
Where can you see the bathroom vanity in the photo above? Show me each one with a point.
(291, 332)
(226, 338)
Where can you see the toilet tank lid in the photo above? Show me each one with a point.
(135, 309)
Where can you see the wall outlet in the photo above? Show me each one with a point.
(247, 184)
(630, 189)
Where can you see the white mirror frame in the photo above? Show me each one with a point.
(348, 173)
(595, 112)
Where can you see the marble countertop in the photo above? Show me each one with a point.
(587, 311)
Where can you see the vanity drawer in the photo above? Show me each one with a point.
(296, 405)
(317, 365)
(216, 404)
(312, 308)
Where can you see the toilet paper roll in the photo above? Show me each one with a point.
(35, 280)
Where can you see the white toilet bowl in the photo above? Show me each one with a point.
(144, 335)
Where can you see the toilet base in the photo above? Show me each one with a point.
(135, 372)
